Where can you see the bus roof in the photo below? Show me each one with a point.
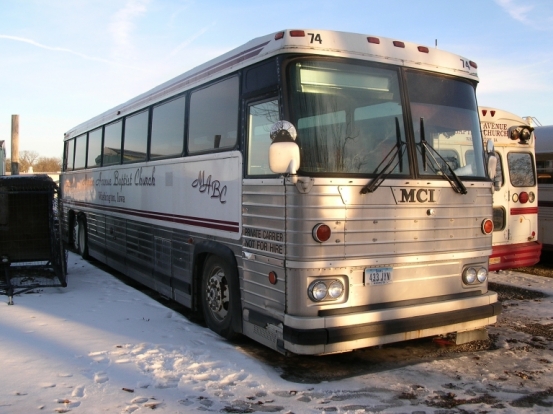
(305, 41)
(544, 139)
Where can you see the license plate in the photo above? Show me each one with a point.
(378, 275)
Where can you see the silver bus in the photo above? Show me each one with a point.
(299, 190)
(544, 162)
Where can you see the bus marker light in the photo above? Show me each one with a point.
(373, 40)
(423, 49)
(273, 278)
(523, 197)
(279, 35)
(297, 33)
(397, 43)
(321, 232)
(487, 226)
(473, 64)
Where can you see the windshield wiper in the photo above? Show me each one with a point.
(428, 151)
(397, 151)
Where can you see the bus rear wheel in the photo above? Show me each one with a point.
(80, 237)
(217, 297)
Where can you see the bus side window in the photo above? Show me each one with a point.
(545, 171)
(112, 143)
(213, 119)
(80, 152)
(94, 148)
(135, 141)
(168, 129)
(69, 154)
(261, 117)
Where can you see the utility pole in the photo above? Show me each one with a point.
(15, 144)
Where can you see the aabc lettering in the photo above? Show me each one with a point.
(417, 196)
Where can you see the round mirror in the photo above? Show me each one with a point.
(283, 131)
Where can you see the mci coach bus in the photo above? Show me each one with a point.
(544, 160)
(515, 200)
(300, 190)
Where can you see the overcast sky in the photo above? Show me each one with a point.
(65, 61)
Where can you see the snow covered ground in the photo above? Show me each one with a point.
(101, 346)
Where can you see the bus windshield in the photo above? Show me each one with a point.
(348, 117)
(449, 116)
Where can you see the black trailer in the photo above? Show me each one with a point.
(32, 254)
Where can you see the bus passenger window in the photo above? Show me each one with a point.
(213, 120)
(94, 148)
(168, 129)
(261, 118)
(135, 142)
(112, 143)
(69, 155)
(80, 152)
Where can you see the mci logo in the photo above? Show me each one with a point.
(413, 195)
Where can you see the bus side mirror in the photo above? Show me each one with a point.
(492, 166)
(284, 153)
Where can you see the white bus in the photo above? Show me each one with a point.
(544, 160)
(293, 191)
(515, 200)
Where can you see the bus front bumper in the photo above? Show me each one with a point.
(323, 335)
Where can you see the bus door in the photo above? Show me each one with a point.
(511, 224)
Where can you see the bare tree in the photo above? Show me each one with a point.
(47, 164)
(27, 159)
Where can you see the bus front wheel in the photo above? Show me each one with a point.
(218, 299)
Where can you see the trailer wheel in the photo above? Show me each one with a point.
(218, 299)
(81, 239)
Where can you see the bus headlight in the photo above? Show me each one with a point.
(325, 290)
(317, 290)
(335, 289)
(482, 275)
(473, 275)
(469, 275)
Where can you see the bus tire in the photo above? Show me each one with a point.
(81, 242)
(218, 296)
